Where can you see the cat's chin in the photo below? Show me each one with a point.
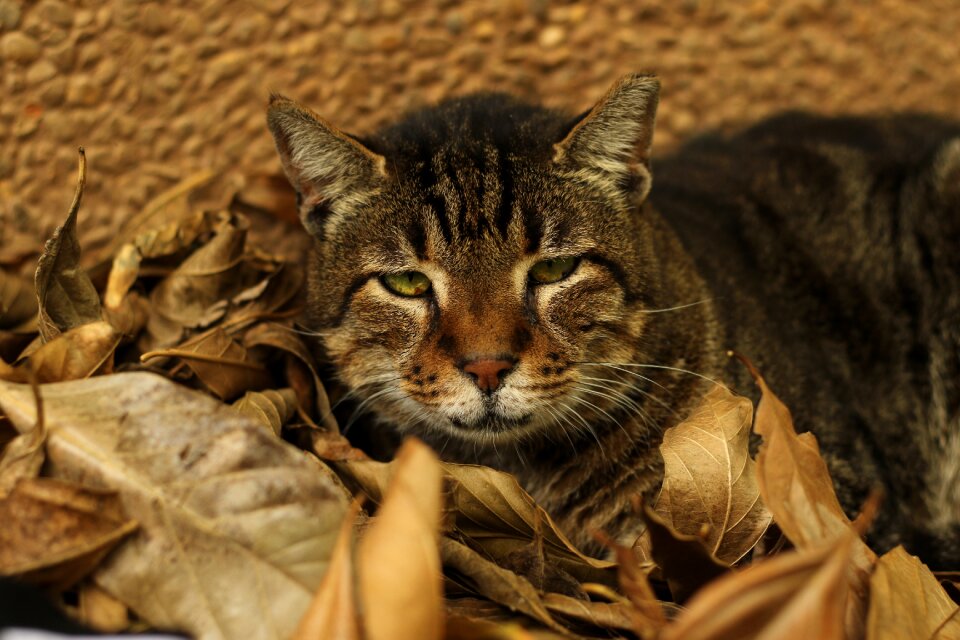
(492, 429)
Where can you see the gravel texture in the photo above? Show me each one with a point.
(156, 91)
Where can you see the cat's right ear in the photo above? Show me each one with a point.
(610, 144)
(332, 172)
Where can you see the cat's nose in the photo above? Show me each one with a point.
(488, 373)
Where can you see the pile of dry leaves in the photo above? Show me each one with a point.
(144, 481)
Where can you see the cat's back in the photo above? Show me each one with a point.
(831, 245)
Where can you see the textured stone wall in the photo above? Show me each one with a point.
(158, 90)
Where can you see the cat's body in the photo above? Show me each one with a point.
(491, 276)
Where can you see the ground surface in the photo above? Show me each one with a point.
(159, 90)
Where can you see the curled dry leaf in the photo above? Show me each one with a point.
(792, 596)
(236, 526)
(496, 583)
(57, 532)
(221, 363)
(99, 610)
(795, 484)
(270, 408)
(709, 477)
(76, 353)
(646, 611)
(333, 612)
(685, 560)
(398, 562)
(907, 601)
(123, 273)
(65, 295)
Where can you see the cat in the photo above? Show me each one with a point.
(505, 281)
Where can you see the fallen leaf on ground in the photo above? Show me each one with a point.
(18, 300)
(270, 408)
(793, 596)
(709, 477)
(398, 562)
(236, 526)
(906, 601)
(333, 613)
(65, 295)
(647, 612)
(57, 532)
(74, 354)
(100, 611)
(686, 562)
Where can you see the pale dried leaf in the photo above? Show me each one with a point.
(100, 611)
(792, 596)
(270, 408)
(398, 562)
(65, 296)
(77, 353)
(123, 273)
(236, 526)
(599, 615)
(21, 459)
(709, 477)
(907, 601)
(333, 612)
(57, 532)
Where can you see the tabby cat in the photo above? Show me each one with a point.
(501, 280)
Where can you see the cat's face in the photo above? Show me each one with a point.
(476, 261)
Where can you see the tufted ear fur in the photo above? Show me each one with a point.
(331, 171)
(611, 143)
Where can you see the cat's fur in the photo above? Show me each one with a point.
(824, 249)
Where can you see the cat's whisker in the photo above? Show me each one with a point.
(678, 307)
(667, 368)
(556, 418)
(633, 387)
(359, 410)
(614, 365)
(600, 409)
(589, 429)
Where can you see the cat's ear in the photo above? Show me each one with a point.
(331, 171)
(612, 141)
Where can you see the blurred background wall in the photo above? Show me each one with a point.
(156, 91)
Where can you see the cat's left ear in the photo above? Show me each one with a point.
(611, 143)
(332, 172)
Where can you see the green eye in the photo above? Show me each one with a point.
(547, 271)
(411, 284)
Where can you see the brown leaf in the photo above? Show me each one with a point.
(197, 293)
(77, 353)
(333, 612)
(236, 526)
(723, 492)
(647, 614)
(56, 532)
(221, 363)
(123, 273)
(796, 486)
(18, 302)
(270, 408)
(496, 583)
(398, 563)
(278, 336)
(906, 601)
(795, 595)
(685, 560)
(604, 616)
(23, 456)
(65, 295)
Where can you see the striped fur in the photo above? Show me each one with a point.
(475, 191)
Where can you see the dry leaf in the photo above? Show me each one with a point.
(598, 615)
(270, 193)
(221, 363)
(12, 344)
(57, 532)
(271, 408)
(76, 353)
(197, 293)
(792, 596)
(333, 612)
(123, 273)
(796, 486)
(398, 562)
(99, 610)
(709, 477)
(236, 525)
(18, 302)
(685, 560)
(65, 295)
(906, 601)
(496, 583)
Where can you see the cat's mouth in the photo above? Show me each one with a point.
(492, 422)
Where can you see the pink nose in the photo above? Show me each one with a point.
(487, 372)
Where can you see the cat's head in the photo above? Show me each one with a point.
(473, 261)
